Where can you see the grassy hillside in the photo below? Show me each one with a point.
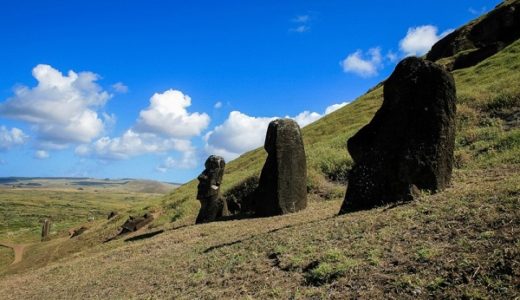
(488, 133)
(68, 202)
(461, 243)
(22, 210)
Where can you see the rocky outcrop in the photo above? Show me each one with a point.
(283, 182)
(408, 145)
(479, 39)
(208, 190)
(136, 223)
(240, 198)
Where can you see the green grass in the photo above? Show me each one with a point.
(22, 210)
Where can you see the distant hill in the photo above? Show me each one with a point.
(131, 185)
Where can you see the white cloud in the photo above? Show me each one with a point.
(391, 56)
(241, 133)
(187, 161)
(334, 107)
(238, 134)
(477, 12)
(419, 40)
(167, 115)
(164, 126)
(120, 87)
(132, 144)
(62, 109)
(301, 24)
(301, 19)
(41, 154)
(306, 117)
(301, 28)
(218, 105)
(363, 64)
(11, 137)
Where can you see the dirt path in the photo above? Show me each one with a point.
(18, 251)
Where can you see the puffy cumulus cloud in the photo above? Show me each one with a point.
(241, 133)
(419, 40)
(187, 161)
(363, 64)
(132, 144)
(11, 137)
(306, 117)
(334, 107)
(164, 126)
(238, 134)
(167, 115)
(61, 108)
(41, 154)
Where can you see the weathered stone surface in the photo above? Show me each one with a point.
(208, 190)
(136, 223)
(283, 182)
(408, 145)
(46, 229)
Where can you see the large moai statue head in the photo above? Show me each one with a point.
(208, 190)
(283, 182)
(408, 145)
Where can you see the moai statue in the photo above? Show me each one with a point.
(408, 145)
(282, 187)
(208, 190)
(46, 229)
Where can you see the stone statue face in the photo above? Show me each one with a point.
(210, 178)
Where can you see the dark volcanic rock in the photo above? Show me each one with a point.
(283, 182)
(240, 198)
(111, 215)
(480, 38)
(208, 190)
(408, 145)
(136, 223)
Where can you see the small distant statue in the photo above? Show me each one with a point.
(208, 190)
(46, 229)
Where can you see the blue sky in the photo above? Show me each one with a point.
(148, 89)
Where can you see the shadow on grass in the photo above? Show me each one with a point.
(144, 236)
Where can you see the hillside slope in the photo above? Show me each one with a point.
(461, 243)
